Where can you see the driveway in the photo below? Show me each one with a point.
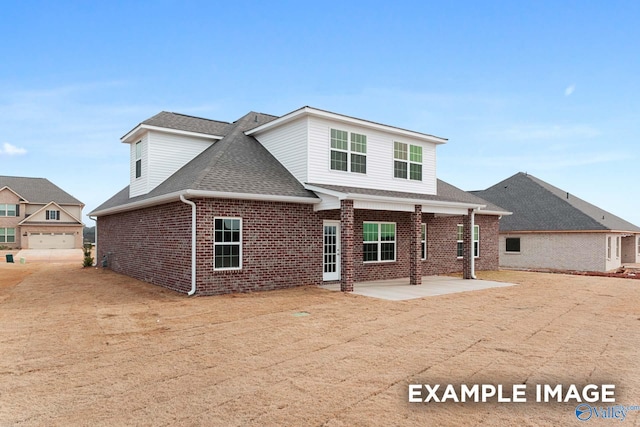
(49, 255)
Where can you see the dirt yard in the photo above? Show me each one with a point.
(90, 347)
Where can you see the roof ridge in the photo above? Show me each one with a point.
(196, 117)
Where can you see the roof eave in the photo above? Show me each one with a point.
(141, 128)
(175, 196)
(309, 111)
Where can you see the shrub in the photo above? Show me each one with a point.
(88, 259)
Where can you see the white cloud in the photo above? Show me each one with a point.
(569, 90)
(11, 150)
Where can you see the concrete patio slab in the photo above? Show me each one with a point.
(400, 289)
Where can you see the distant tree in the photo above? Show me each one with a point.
(89, 234)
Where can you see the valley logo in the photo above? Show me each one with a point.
(586, 412)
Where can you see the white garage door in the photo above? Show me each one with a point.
(51, 241)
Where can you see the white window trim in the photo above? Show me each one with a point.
(609, 247)
(4, 212)
(137, 159)
(475, 226)
(349, 152)
(512, 252)
(638, 245)
(6, 234)
(56, 216)
(618, 243)
(239, 244)
(379, 242)
(423, 242)
(407, 161)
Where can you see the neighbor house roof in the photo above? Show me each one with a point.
(445, 193)
(236, 164)
(38, 190)
(539, 206)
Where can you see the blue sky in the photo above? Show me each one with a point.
(546, 87)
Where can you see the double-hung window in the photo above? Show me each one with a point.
(138, 159)
(512, 244)
(52, 215)
(7, 235)
(476, 241)
(348, 151)
(407, 161)
(423, 241)
(227, 243)
(379, 241)
(9, 210)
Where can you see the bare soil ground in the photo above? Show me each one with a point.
(90, 347)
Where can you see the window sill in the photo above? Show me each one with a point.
(378, 262)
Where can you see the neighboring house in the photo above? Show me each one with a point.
(271, 202)
(551, 228)
(37, 214)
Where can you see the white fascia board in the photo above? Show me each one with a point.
(497, 213)
(428, 204)
(345, 119)
(133, 135)
(175, 196)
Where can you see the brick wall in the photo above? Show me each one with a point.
(152, 244)
(281, 245)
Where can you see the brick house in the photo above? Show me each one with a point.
(272, 202)
(37, 214)
(551, 228)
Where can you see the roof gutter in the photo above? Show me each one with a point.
(175, 196)
(193, 244)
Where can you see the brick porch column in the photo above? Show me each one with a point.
(467, 245)
(415, 253)
(346, 241)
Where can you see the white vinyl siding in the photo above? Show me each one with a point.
(378, 157)
(162, 155)
(288, 144)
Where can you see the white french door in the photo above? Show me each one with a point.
(331, 250)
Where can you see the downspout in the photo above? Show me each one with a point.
(473, 251)
(193, 244)
(95, 240)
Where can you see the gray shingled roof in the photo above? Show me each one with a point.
(38, 190)
(236, 164)
(445, 193)
(539, 206)
(178, 121)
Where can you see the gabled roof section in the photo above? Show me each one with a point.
(310, 111)
(38, 190)
(181, 123)
(237, 165)
(539, 206)
(29, 219)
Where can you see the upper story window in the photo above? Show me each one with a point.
(407, 161)
(52, 215)
(348, 151)
(138, 159)
(9, 210)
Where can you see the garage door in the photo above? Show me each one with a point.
(51, 241)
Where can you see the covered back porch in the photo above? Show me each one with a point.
(402, 220)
